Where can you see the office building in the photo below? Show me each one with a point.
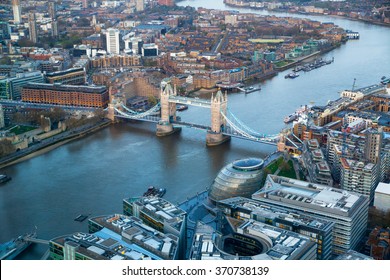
(54, 28)
(17, 11)
(159, 214)
(52, 9)
(134, 231)
(352, 255)
(139, 5)
(149, 50)
(32, 27)
(318, 230)
(382, 197)
(72, 76)
(67, 95)
(11, 88)
(347, 210)
(5, 31)
(112, 41)
(250, 240)
(114, 237)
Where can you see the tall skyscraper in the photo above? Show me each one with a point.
(139, 5)
(54, 28)
(85, 4)
(112, 40)
(32, 27)
(52, 10)
(17, 11)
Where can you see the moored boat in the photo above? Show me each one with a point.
(4, 178)
(290, 118)
(12, 248)
(291, 75)
(181, 107)
(153, 191)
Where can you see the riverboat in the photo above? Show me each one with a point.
(181, 107)
(12, 248)
(291, 75)
(291, 118)
(81, 218)
(153, 191)
(4, 178)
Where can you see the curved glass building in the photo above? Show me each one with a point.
(239, 178)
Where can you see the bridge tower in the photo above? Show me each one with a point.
(218, 123)
(110, 112)
(168, 112)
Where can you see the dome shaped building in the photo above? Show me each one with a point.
(239, 178)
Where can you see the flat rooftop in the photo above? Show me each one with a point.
(67, 88)
(309, 195)
(161, 210)
(257, 207)
(136, 232)
(104, 245)
(383, 188)
(285, 244)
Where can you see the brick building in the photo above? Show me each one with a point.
(67, 95)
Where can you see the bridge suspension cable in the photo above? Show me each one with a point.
(137, 115)
(249, 135)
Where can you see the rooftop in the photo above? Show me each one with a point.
(134, 231)
(160, 210)
(67, 88)
(383, 188)
(353, 255)
(309, 195)
(64, 72)
(104, 245)
(284, 244)
(276, 212)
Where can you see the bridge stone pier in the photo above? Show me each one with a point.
(218, 104)
(168, 112)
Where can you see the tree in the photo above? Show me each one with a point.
(100, 113)
(5, 60)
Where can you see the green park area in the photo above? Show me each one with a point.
(19, 129)
(280, 167)
(283, 63)
(266, 41)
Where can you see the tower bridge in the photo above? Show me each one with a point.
(224, 124)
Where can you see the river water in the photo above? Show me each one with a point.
(92, 175)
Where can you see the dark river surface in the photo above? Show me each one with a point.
(92, 175)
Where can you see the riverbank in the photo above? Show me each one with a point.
(305, 14)
(306, 58)
(51, 144)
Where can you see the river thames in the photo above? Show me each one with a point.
(92, 175)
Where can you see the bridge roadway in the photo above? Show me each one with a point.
(36, 240)
(15, 103)
(190, 101)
